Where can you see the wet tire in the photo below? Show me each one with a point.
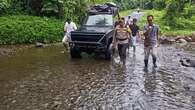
(75, 52)
(108, 54)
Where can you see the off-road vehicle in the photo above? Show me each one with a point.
(95, 33)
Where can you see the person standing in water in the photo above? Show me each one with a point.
(135, 34)
(151, 32)
(121, 38)
(68, 28)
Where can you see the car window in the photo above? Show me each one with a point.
(101, 20)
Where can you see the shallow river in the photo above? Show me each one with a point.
(47, 79)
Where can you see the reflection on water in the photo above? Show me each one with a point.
(47, 79)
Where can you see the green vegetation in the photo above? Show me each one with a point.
(60, 9)
(126, 12)
(28, 21)
(178, 9)
(144, 4)
(3, 6)
(29, 29)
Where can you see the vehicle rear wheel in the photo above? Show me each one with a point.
(75, 52)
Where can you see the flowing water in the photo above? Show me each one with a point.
(47, 79)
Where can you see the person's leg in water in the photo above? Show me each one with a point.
(129, 45)
(134, 49)
(122, 48)
(120, 51)
(134, 43)
(124, 52)
(154, 56)
(146, 56)
(65, 41)
(66, 46)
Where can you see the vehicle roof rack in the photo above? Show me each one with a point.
(107, 8)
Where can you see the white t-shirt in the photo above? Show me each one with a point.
(129, 21)
(70, 27)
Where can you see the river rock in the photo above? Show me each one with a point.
(6, 51)
(187, 62)
(188, 39)
(166, 40)
(183, 41)
(193, 38)
(39, 45)
(178, 37)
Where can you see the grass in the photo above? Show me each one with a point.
(184, 27)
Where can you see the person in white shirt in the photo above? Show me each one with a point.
(129, 21)
(68, 28)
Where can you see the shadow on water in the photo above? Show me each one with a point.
(47, 78)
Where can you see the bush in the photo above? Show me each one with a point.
(3, 6)
(159, 4)
(29, 29)
(189, 10)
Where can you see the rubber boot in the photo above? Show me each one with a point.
(146, 63)
(154, 62)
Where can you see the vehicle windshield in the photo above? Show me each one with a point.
(99, 20)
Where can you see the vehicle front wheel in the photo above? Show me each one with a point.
(108, 55)
(75, 52)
